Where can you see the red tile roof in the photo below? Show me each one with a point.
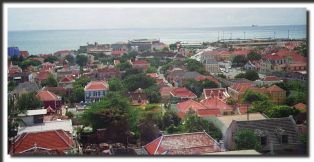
(165, 91)
(300, 106)
(284, 53)
(45, 95)
(140, 62)
(183, 93)
(67, 79)
(208, 112)
(183, 144)
(215, 103)
(43, 75)
(215, 92)
(48, 140)
(271, 78)
(275, 88)
(185, 106)
(96, 85)
(202, 77)
(24, 54)
(241, 87)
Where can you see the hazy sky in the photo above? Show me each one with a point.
(99, 18)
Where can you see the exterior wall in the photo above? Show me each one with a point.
(92, 96)
(278, 97)
(52, 104)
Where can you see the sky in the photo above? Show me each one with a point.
(109, 18)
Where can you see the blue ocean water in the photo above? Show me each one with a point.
(49, 41)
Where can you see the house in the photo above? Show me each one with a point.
(116, 62)
(277, 94)
(107, 73)
(220, 93)
(140, 64)
(181, 94)
(222, 106)
(265, 66)
(119, 48)
(138, 97)
(67, 82)
(278, 135)
(13, 52)
(224, 121)
(49, 99)
(24, 54)
(165, 93)
(31, 117)
(250, 66)
(300, 106)
(26, 87)
(47, 125)
(183, 144)
(95, 90)
(210, 63)
(182, 108)
(178, 77)
(268, 81)
(237, 90)
(60, 91)
(54, 142)
(143, 45)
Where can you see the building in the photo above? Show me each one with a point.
(143, 45)
(67, 82)
(50, 99)
(13, 52)
(220, 93)
(183, 144)
(210, 63)
(95, 90)
(138, 97)
(165, 93)
(107, 73)
(55, 142)
(278, 135)
(237, 90)
(182, 108)
(26, 87)
(140, 64)
(119, 48)
(32, 117)
(268, 81)
(181, 94)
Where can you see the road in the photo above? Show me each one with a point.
(163, 77)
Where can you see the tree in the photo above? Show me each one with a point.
(51, 59)
(239, 61)
(151, 70)
(249, 74)
(28, 101)
(124, 66)
(251, 96)
(194, 65)
(173, 46)
(221, 76)
(148, 128)
(12, 85)
(261, 106)
(70, 59)
(209, 84)
(302, 49)
(28, 62)
(198, 86)
(78, 89)
(153, 94)
(296, 97)
(81, 60)
(69, 114)
(282, 111)
(136, 81)
(50, 82)
(115, 84)
(246, 139)
(254, 56)
(170, 118)
(193, 123)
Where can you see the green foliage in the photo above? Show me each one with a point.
(78, 89)
(246, 139)
(115, 84)
(231, 101)
(249, 74)
(197, 86)
(296, 97)
(254, 56)
(193, 123)
(50, 82)
(81, 60)
(70, 59)
(194, 65)
(221, 76)
(124, 66)
(51, 59)
(302, 49)
(251, 96)
(69, 114)
(151, 70)
(261, 106)
(28, 101)
(28, 62)
(148, 128)
(170, 119)
(12, 85)
(282, 111)
(136, 81)
(128, 56)
(153, 94)
(172, 46)
(296, 91)
(239, 61)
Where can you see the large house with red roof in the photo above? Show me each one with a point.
(181, 94)
(199, 109)
(140, 64)
(50, 100)
(67, 81)
(54, 142)
(196, 143)
(220, 93)
(95, 90)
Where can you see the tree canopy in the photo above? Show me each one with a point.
(251, 96)
(198, 86)
(282, 111)
(249, 74)
(51, 59)
(239, 61)
(81, 60)
(194, 65)
(50, 82)
(136, 81)
(28, 101)
(254, 56)
(246, 139)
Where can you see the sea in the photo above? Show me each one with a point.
(50, 41)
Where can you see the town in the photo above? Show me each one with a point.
(144, 97)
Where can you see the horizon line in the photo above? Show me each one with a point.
(119, 28)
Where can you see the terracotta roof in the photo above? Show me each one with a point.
(275, 88)
(152, 75)
(271, 78)
(183, 144)
(43, 75)
(215, 92)
(241, 87)
(24, 54)
(96, 85)
(215, 103)
(165, 91)
(141, 62)
(67, 79)
(202, 77)
(56, 89)
(45, 95)
(300, 106)
(208, 112)
(185, 106)
(183, 93)
(48, 140)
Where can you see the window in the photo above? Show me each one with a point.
(263, 140)
(284, 139)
